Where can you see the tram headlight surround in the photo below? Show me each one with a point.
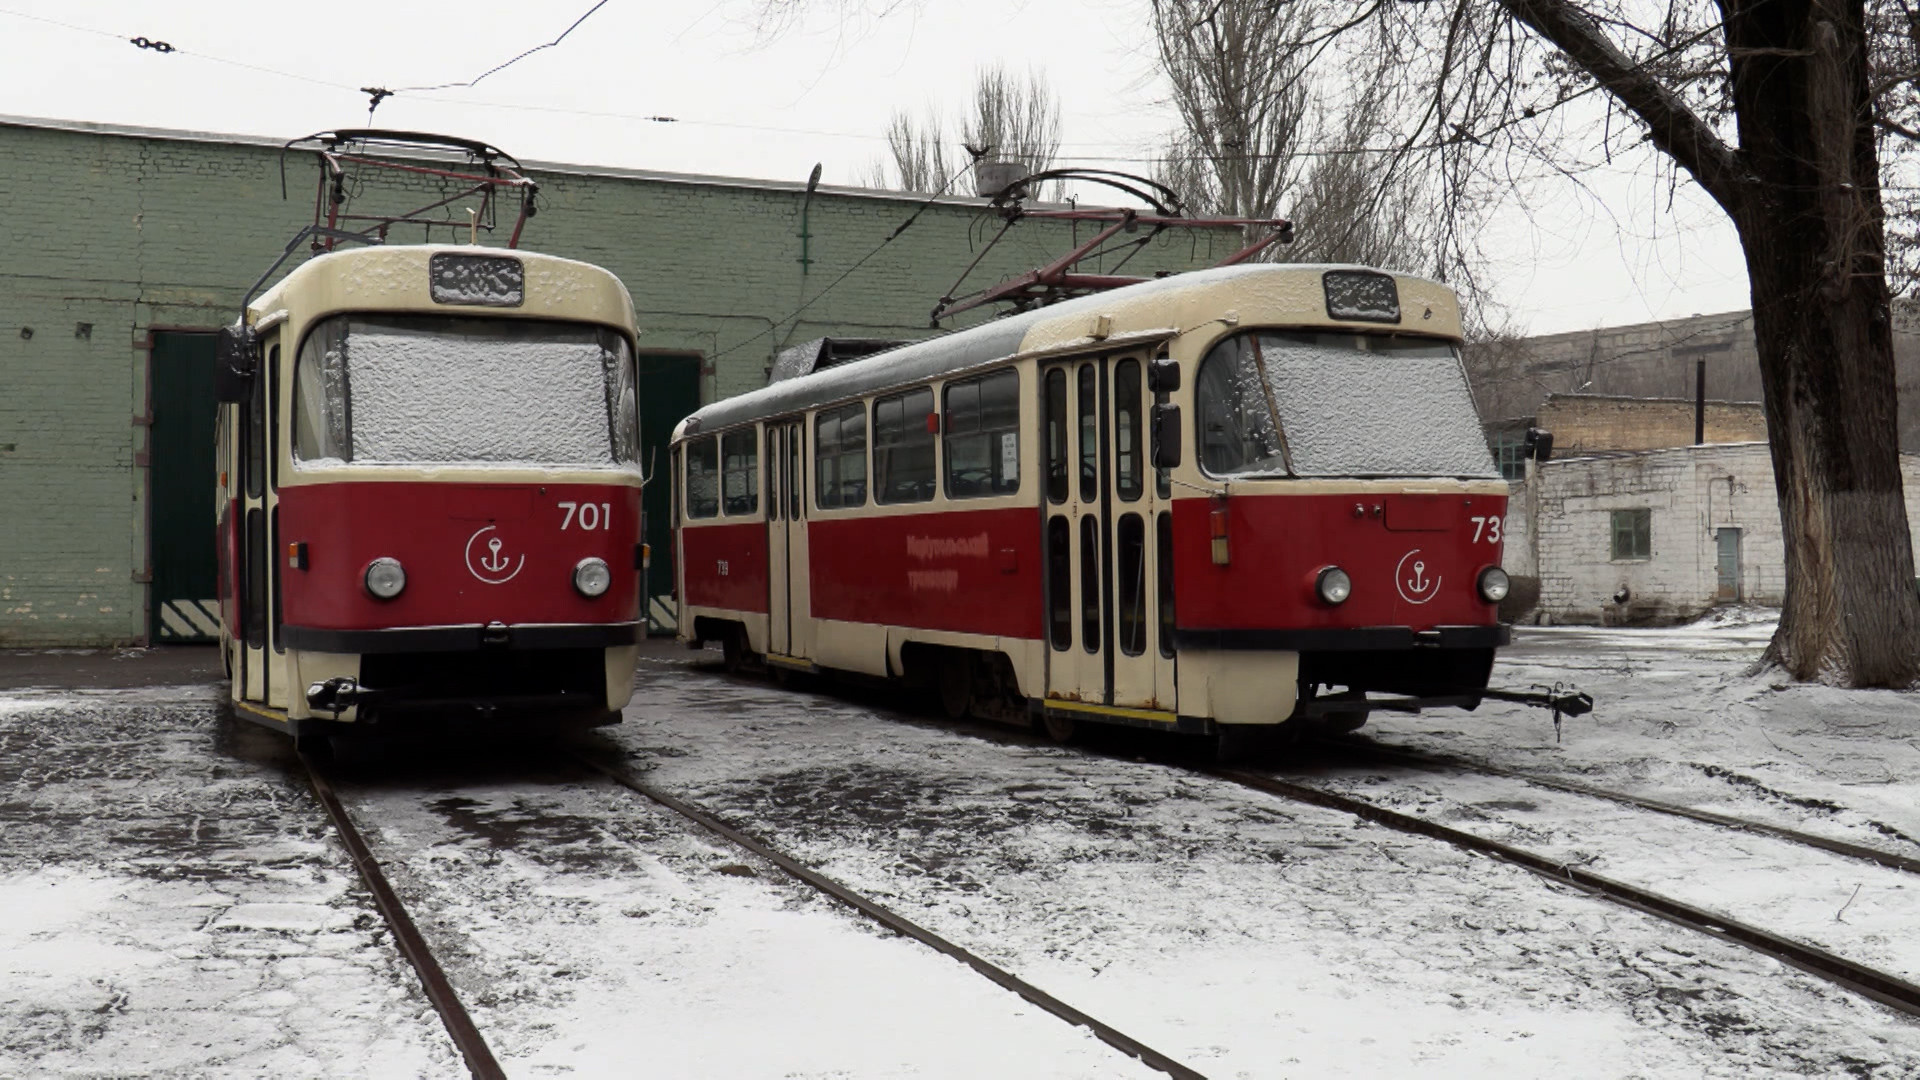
(591, 578)
(385, 578)
(1494, 584)
(1332, 585)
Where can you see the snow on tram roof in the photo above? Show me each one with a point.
(1282, 287)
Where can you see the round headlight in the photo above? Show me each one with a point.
(591, 576)
(1494, 584)
(385, 578)
(1333, 585)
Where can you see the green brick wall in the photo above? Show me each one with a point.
(107, 235)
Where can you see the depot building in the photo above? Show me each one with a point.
(123, 249)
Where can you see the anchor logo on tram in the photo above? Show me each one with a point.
(1412, 581)
(493, 562)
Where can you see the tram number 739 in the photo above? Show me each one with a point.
(591, 516)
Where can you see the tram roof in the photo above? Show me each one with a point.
(394, 277)
(1160, 308)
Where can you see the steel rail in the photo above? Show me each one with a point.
(1727, 821)
(1889, 990)
(900, 924)
(466, 1037)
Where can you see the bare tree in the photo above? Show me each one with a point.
(1013, 119)
(1264, 133)
(918, 153)
(1774, 108)
(1008, 119)
(1238, 88)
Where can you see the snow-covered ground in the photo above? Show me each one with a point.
(171, 906)
(173, 903)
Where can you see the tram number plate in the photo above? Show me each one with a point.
(588, 516)
(1489, 526)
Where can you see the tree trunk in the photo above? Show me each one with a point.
(1809, 215)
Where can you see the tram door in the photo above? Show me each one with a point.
(258, 578)
(1102, 537)
(789, 630)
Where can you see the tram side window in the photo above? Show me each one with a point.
(1126, 430)
(1132, 549)
(903, 470)
(983, 436)
(840, 457)
(739, 464)
(1057, 435)
(703, 478)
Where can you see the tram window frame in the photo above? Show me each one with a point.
(1130, 629)
(1092, 581)
(832, 455)
(740, 460)
(796, 469)
(770, 458)
(1055, 396)
(1129, 441)
(704, 451)
(1087, 411)
(1060, 582)
(983, 430)
(900, 439)
(1163, 555)
(254, 434)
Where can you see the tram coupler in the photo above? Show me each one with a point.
(1563, 700)
(333, 696)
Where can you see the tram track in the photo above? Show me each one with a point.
(1370, 752)
(1888, 989)
(466, 1036)
(894, 921)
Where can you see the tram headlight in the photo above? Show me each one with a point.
(385, 578)
(1494, 584)
(591, 577)
(1333, 585)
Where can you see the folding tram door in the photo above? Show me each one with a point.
(253, 579)
(1107, 538)
(789, 628)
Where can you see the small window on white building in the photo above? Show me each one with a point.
(1632, 534)
(1510, 454)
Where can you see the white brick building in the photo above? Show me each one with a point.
(1654, 536)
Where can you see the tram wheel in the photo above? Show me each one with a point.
(733, 650)
(1339, 723)
(956, 685)
(1059, 727)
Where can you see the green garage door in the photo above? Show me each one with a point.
(180, 467)
(669, 393)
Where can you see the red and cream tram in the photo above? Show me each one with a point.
(429, 496)
(1230, 497)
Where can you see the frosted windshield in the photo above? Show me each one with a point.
(435, 389)
(1346, 404)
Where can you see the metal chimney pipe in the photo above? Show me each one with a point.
(1700, 401)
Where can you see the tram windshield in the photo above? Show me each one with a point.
(1291, 403)
(439, 389)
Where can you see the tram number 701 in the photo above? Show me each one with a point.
(591, 516)
(1488, 525)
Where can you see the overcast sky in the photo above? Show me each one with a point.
(760, 101)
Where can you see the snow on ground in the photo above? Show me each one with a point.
(1679, 714)
(594, 934)
(173, 902)
(1238, 933)
(168, 906)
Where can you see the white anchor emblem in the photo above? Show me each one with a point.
(493, 562)
(1413, 585)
